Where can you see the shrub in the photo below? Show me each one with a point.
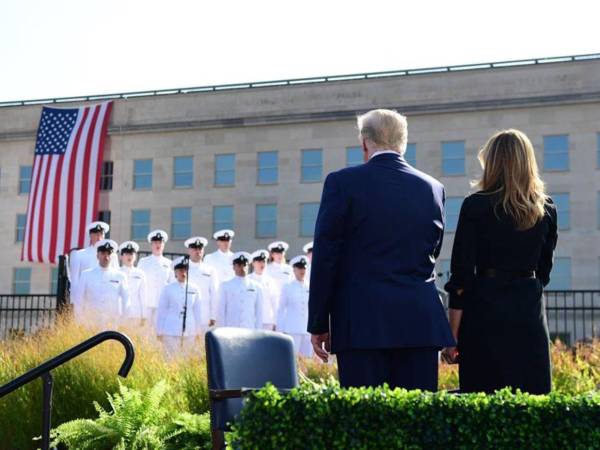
(136, 420)
(328, 417)
(86, 379)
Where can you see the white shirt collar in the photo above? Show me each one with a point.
(382, 152)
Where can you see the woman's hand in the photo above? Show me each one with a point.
(450, 355)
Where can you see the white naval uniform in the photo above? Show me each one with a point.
(206, 279)
(169, 322)
(222, 262)
(240, 304)
(270, 298)
(101, 297)
(282, 273)
(158, 274)
(86, 258)
(138, 291)
(292, 317)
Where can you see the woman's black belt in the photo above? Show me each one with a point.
(506, 274)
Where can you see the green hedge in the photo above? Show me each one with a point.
(328, 417)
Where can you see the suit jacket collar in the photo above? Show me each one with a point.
(386, 157)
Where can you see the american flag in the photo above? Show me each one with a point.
(63, 197)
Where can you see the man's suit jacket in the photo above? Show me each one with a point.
(378, 233)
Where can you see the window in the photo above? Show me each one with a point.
(142, 174)
(411, 154)
(556, 152)
(354, 156)
(312, 165)
(140, 224)
(181, 223)
(24, 179)
(222, 218)
(598, 211)
(598, 150)
(183, 172)
(22, 281)
(453, 205)
(268, 168)
(453, 158)
(561, 202)
(106, 176)
(308, 218)
(104, 216)
(225, 170)
(20, 232)
(560, 278)
(54, 280)
(266, 221)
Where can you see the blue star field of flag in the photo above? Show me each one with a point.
(56, 126)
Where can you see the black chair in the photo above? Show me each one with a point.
(238, 361)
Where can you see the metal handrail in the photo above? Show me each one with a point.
(43, 371)
(308, 80)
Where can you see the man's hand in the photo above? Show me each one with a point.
(321, 345)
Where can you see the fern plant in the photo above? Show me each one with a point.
(136, 420)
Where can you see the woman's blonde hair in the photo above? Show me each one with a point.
(510, 170)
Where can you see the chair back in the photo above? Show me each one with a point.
(242, 358)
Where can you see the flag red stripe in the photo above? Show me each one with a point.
(44, 188)
(86, 177)
(103, 134)
(55, 206)
(71, 181)
(32, 190)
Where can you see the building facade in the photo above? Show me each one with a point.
(254, 158)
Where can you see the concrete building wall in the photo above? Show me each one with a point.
(541, 100)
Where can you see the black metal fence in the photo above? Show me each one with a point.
(25, 314)
(573, 315)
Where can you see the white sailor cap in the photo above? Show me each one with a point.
(106, 245)
(224, 235)
(129, 247)
(241, 258)
(181, 263)
(307, 247)
(278, 246)
(196, 242)
(260, 255)
(158, 235)
(98, 227)
(299, 261)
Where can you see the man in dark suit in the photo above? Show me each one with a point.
(373, 301)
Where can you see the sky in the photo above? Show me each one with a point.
(65, 48)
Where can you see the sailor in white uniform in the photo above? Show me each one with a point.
(158, 271)
(205, 278)
(221, 259)
(240, 299)
(101, 297)
(270, 290)
(136, 279)
(86, 258)
(278, 269)
(307, 249)
(292, 317)
(179, 315)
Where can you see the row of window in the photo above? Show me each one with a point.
(22, 280)
(266, 218)
(223, 217)
(560, 277)
(555, 150)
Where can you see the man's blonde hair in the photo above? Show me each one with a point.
(386, 129)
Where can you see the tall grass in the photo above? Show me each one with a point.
(88, 378)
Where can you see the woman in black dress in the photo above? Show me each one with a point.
(501, 261)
